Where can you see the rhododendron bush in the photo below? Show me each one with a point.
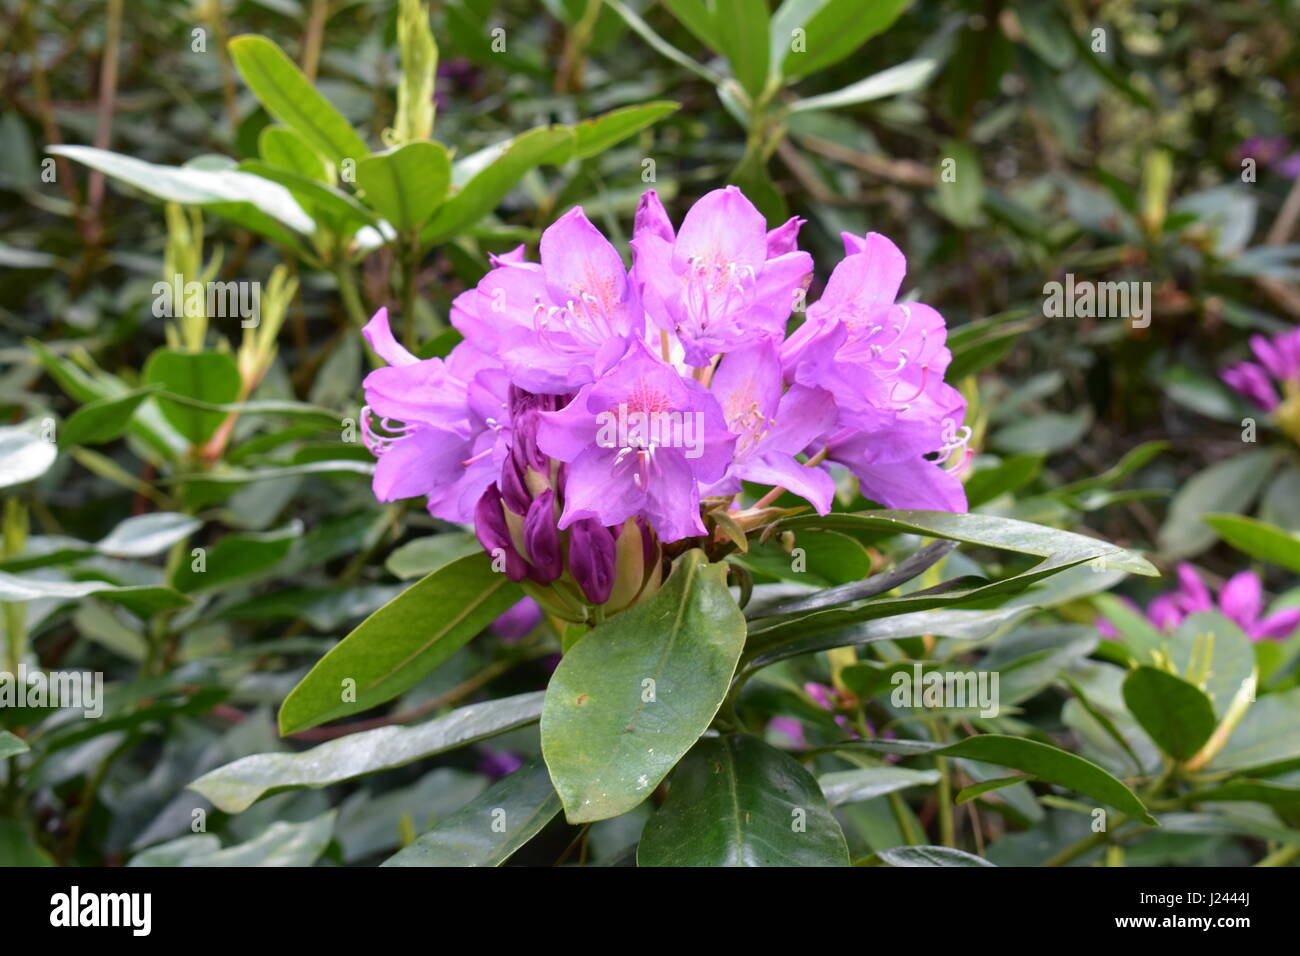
(688, 434)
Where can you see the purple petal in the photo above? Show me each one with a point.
(380, 336)
(1242, 599)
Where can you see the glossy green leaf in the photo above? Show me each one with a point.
(236, 556)
(967, 794)
(930, 856)
(1176, 715)
(247, 200)
(24, 455)
(742, 29)
(1228, 486)
(634, 694)
(425, 555)
(328, 205)
(851, 786)
(1267, 735)
(832, 30)
(492, 827)
(735, 801)
(281, 844)
(594, 136)
(903, 78)
(102, 420)
(407, 184)
(143, 536)
(288, 96)
(207, 376)
(1007, 534)
(492, 179)
(284, 149)
(237, 786)
(392, 650)
(1257, 539)
(142, 599)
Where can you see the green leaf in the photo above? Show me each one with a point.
(1266, 735)
(1257, 539)
(903, 78)
(289, 96)
(24, 455)
(492, 827)
(425, 555)
(247, 200)
(742, 29)
(735, 801)
(959, 625)
(967, 794)
(143, 536)
(1280, 795)
(1007, 475)
(991, 530)
(1228, 486)
(237, 786)
(406, 185)
(332, 207)
(851, 786)
(495, 175)
(1051, 764)
(11, 746)
(930, 856)
(237, 556)
(207, 376)
(392, 650)
(959, 190)
(833, 29)
(284, 149)
(1175, 714)
(140, 599)
(634, 694)
(102, 420)
(594, 136)
(281, 844)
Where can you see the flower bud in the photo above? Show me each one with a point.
(592, 559)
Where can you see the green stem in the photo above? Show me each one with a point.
(947, 832)
(904, 819)
(1281, 857)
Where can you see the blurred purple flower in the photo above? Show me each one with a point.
(1278, 361)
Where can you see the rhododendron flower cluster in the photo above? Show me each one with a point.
(1241, 600)
(595, 413)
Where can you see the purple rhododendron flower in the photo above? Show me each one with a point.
(591, 409)
(1241, 600)
(1278, 362)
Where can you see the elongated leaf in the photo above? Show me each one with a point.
(852, 786)
(735, 801)
(142, 599)
(327, 204)
(1051, 764)
(634, 694)
(281, 844)
(392, 650)
(245, 199)
(967, 794)
(481, 194)
(594, 136)
(24, 456)
(1176, 715)
(832, 31)
(1280, 795)
(743, 31)
(960, 625)
(406, 184)
(1267, 735)
(145, 535)
(930, 856)
(492, 827)
(288, 96)
(1258, 539)
(237, 786)
(102, 420)
(903, 78)
(1007, 534)
(284, 149)
(766, 630)
(1228, 486)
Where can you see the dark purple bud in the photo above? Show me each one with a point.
(513, 490)
(591, 559)
(542, 540)
(494, 534)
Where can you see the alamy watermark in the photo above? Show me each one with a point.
(955, 690)
(621, 428)
(1098, 300)
(74, 690)
(215, 300)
